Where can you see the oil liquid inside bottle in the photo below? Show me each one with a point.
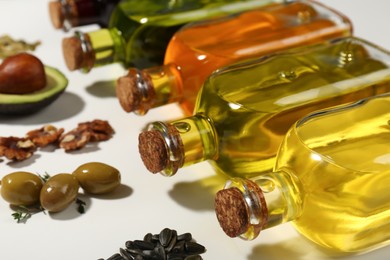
(342, 160)
(199, 49)
(147, 26)
(90, 12)
(252, 105)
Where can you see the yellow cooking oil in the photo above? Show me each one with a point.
(252, 105)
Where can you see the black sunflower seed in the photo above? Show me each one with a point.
(160, 252)
(185, 237)
(165, 236)
(148, 237)
(178, 247)
(125, 254)
(172, 243)
(116, 257)
(143, 245)
(194, 248)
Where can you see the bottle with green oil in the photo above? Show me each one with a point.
(243, 111)
(331, 180)
(139, 31)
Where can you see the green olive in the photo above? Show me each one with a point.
(21, 188)
(97, 178)
(59, 192)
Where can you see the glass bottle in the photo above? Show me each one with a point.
(67, 14)
(139, 31)
(331, 180)
(198, 49)
(243, 111)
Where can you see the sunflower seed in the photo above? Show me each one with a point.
(148, 237)
(178, 247)
(143, 245)
(165, 236)
(172, 243)
(160, 252)
(116, 257)
(125, 254)
(194, 248)
(185, 237)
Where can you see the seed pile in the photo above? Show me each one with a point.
(167, 245)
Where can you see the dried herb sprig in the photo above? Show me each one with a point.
(9, 46)
(23, 213)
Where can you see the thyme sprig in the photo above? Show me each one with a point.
(23, 213)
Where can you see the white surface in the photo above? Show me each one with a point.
(147, 203)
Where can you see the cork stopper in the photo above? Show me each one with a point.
(127, 91)
(56, 15)
(153, 151)
(232, 211)
(73, 53)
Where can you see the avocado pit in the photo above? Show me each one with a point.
(27, 85)
(22, 73)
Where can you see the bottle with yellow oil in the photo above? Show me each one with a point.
(243, 111)
(331, 180)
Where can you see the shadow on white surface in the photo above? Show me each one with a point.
(198, 195)
(123, 191)
(71, 212)
(69, 105)
(102, 89)
(24, 163)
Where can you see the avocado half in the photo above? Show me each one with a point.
(23, 104)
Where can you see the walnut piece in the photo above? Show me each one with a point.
(45, 135)
(15, 148)
(94, 131)
(75, 139)
(100, 130)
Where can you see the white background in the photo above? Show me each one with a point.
(145, 203)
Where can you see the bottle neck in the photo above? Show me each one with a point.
(101, 47)
(265, 201)
(141, 90)
(80, 12)
(188, 141)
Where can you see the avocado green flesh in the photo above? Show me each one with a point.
(32, 102)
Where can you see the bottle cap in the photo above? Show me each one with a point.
(56, 16)
(127, 91)
(232, 211)
(73, 52)
(153, 150)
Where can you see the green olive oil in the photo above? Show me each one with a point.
(252, 105)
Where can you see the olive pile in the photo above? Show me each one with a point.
(167, 245)
(26, 189)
